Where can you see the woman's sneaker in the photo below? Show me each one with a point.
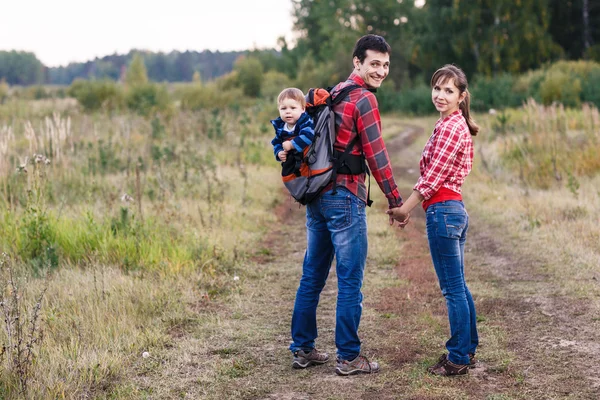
(450, 369)
(360, 365)
(444, 357)
(303, 359)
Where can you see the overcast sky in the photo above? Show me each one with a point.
(63, 31)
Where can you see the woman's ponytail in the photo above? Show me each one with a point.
(465, 107)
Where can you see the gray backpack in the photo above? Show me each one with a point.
(320, 162)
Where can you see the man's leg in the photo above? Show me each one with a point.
(317, 262)
(347, 222)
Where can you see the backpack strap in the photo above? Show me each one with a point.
(339, 161)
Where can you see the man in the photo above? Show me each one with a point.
(336, 220)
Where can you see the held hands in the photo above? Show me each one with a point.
(282, 155)
(400, 215)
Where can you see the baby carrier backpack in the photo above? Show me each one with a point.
(320, 162)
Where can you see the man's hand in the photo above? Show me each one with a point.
(287, 145)
(282, 155)
(400, 215)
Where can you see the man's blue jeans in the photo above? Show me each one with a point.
(447, 224)
(336, 225)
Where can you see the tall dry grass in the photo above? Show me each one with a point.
(140, 222)
(538, 178)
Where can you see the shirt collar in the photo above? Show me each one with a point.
(359, 81)
(442, 120)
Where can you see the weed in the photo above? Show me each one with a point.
(37, 233)
(22, 328)
(573, 184)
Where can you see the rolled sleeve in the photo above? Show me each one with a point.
(369, 129)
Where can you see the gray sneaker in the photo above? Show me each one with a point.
(360, 365)
(303, 359)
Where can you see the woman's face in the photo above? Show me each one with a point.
(446, 97)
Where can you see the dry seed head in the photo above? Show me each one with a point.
(126, 198)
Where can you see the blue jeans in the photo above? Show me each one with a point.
(336, 225)
(447, 224)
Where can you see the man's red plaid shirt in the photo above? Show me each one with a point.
(359, 115)
(447, 157)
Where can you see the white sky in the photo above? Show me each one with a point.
(63, 31)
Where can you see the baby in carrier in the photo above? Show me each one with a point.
(294, 131)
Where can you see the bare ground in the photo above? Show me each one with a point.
(535, 342)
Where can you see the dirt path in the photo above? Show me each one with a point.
(535, 343)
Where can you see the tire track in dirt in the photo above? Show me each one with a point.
(555, 340)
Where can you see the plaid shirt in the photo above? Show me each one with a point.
(358, 114)
(447, 157)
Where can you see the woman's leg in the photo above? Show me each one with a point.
(446, 222)
(472, 313)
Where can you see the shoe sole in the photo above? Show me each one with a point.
(299, 365)
(354, 372)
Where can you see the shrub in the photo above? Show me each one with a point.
(528, 85)
(591, 90)
(149, 98)
(96, 95)
(496, 92)
(274, 83)
(561, 87)
(250, 75)
(3, 90)
(415, 101)
(196, 97)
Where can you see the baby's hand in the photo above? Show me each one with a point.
(282, 155)
(287, 145)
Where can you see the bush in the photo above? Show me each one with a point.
(96, 95)
(274, 83)
(250, 75)
(495, 92)
(591, 90)
(3, 90)
(149, 98)
(196, 97)
(415, 101)
(561, 87)
(528, 85)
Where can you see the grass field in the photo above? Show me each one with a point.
(145, 259)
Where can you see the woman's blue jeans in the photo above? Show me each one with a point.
(447, 224)
(336, 225)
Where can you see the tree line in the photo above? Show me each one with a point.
(484, 37)
(23, 68)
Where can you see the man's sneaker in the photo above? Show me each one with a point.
(360, 365)
(444, 357)
(303, 359)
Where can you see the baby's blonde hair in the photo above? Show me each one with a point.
(293, 94)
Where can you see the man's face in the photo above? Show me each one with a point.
(290, 110)
(374, 69)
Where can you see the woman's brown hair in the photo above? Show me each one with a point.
(450, 71)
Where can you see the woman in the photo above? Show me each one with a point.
(446, 161)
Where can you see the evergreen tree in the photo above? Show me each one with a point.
(136, 73)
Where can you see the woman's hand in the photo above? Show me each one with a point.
(398, 214)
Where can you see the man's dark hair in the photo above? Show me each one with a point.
(370, 42)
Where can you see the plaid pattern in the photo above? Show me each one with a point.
(359, 115)
(447, 157)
